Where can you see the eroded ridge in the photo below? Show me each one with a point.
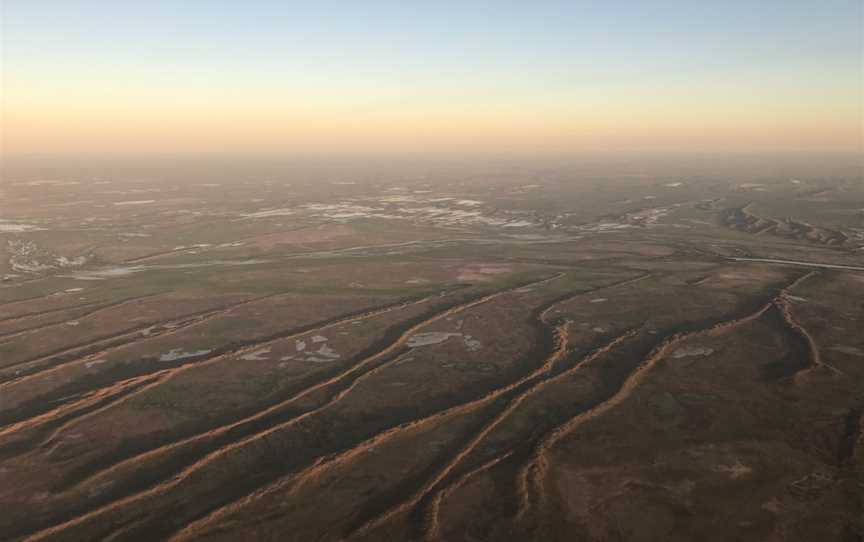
(431, 526)
(26, 316)
(814, 355)
(50, 325)
(274, 416)
(531, 480)
(76, 398)
(98, 400)
(521, 394)
(431, 518)
(214, 455)
(742, 219)
(132, 409)
(106, 344)
(294, 481)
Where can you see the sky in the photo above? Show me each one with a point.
(96, 77)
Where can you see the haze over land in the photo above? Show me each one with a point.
(399, 272)
(393, 350)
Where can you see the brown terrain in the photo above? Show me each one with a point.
(553, 356)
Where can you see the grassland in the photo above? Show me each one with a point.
(547, 355)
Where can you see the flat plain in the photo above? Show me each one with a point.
(467, 354)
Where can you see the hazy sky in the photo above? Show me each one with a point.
(119, 77)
